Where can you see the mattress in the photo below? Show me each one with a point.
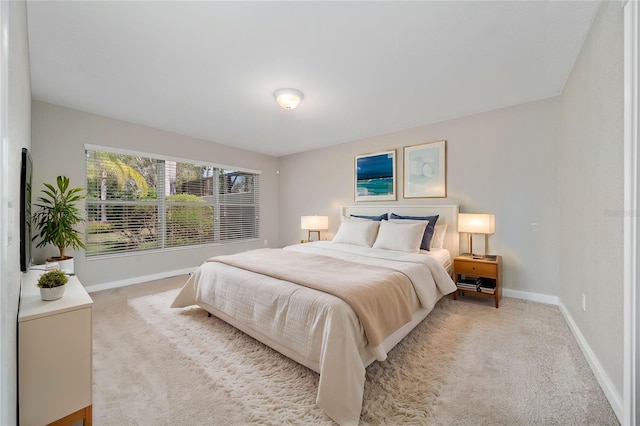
(442, 256)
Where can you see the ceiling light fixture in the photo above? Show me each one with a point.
(288, 98)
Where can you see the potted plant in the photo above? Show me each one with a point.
(52, 284)
(55, 219)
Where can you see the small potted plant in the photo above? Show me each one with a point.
(55, 219)
(52, 284)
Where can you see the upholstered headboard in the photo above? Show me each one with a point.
(447, 214)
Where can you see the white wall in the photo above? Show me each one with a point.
(500, 162)
(590, 187)
(59, 135)
(15, 110)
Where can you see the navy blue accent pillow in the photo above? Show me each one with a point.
(428, 232)
(374, 218)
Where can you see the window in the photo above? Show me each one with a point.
(141, 202)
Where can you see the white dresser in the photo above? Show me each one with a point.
(54, 355)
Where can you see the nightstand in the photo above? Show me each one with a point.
(481, 277)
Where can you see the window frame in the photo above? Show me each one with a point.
(162, 203)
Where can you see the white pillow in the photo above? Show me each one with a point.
(438, 236)
(400, 236)
(357, 232)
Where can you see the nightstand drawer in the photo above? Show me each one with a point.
(476, 268)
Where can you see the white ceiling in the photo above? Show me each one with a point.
(208, 69)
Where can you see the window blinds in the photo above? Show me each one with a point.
(138, 202)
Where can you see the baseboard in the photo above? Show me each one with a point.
(603, 379)
(138, 280)
(533, 297)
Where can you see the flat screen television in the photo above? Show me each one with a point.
(25, 210)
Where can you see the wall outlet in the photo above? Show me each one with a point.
(584, 302)
(266, 242)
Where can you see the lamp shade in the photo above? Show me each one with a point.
(476, 223)
(314, 223)
(288, 98)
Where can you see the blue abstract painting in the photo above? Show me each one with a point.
(375, 176)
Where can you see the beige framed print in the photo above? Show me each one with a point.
(425, 170)
(375, 176)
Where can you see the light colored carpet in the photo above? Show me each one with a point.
(466, 364)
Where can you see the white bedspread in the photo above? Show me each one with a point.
(313, 328)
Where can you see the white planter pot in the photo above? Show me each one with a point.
(65, 266)
(52, 293)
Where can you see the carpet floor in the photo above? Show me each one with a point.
(466, 364)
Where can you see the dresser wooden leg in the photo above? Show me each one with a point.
(84, 415)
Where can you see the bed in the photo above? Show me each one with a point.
(258, 293)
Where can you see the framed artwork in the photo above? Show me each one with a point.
(375, 176)
(425, 170)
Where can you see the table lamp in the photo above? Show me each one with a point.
(476, 223)
(314, 224)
